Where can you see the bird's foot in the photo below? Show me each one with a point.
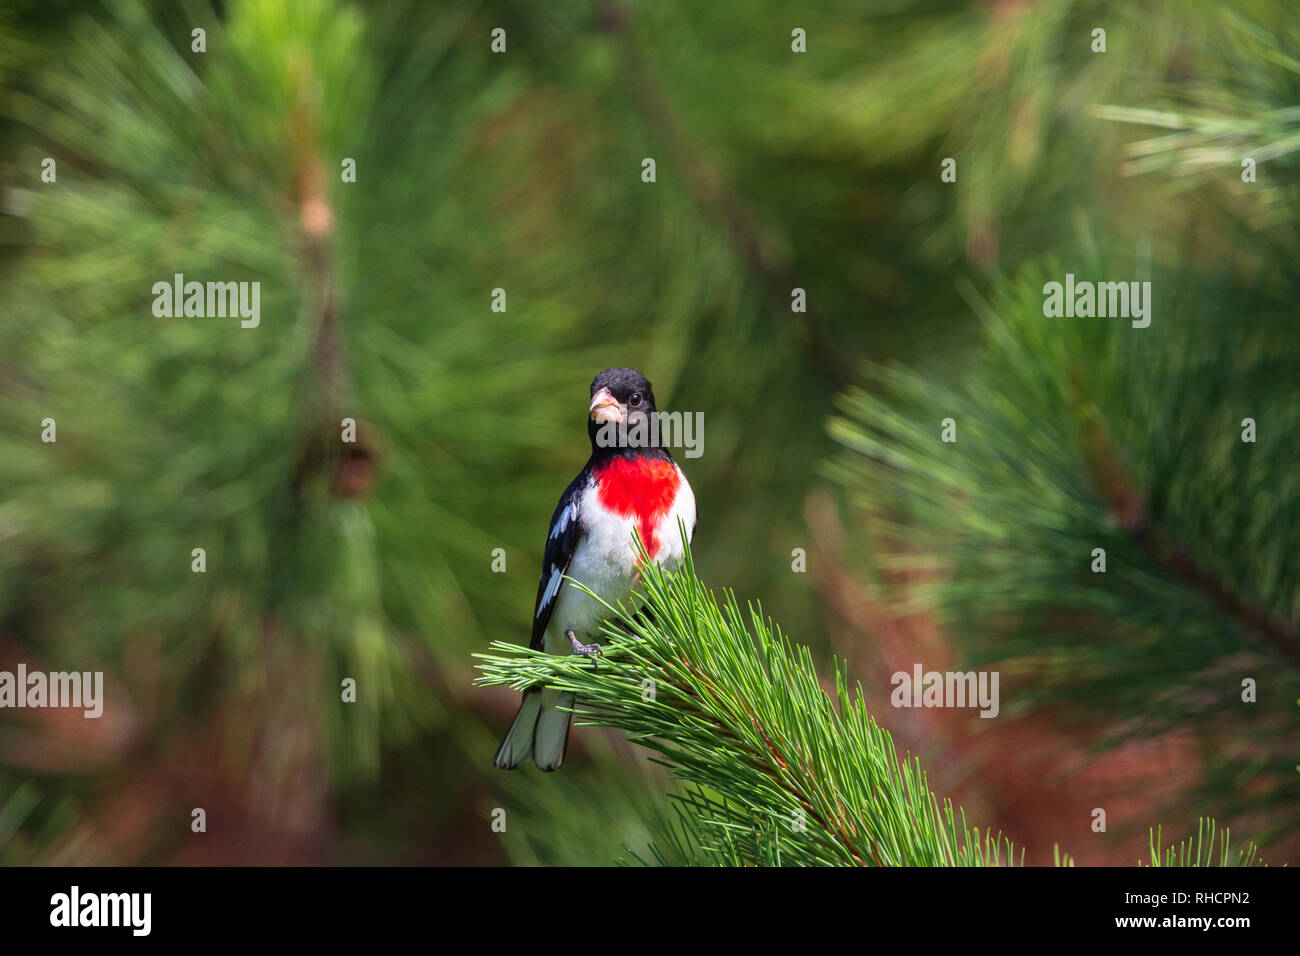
(586, 650)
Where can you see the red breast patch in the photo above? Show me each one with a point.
(640, 488)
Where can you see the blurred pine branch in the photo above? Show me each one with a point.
(1084, 433)
(1078, 434)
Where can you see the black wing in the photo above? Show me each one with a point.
(561, 542)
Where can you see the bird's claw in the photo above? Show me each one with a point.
(586, 650)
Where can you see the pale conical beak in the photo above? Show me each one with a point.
(605, 407)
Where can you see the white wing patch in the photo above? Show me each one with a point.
(565, 517)
(552, 588)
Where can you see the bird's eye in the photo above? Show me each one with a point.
(635, 400)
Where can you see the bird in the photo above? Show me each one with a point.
(629, 486)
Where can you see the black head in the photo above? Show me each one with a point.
(622, 402)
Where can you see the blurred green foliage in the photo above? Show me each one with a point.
(475, 171)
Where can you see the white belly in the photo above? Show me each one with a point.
(606, 563)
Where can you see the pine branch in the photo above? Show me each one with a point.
(1199, 851)
(1242, 108)
(1082, 435)
(732, 706)
(778, 773)
(1128, 509)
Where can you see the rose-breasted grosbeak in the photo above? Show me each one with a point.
(630, 483)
